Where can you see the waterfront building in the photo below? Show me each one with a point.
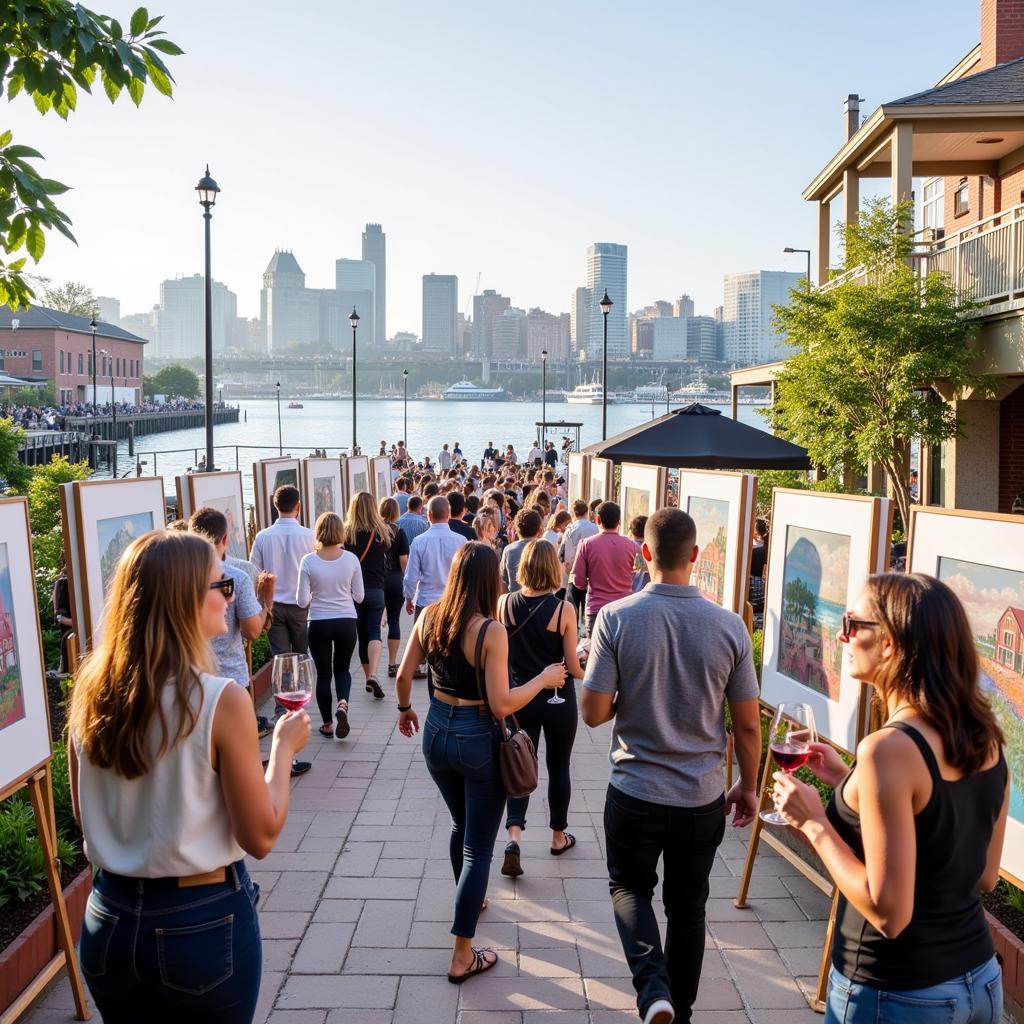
(579, 319)
(547, 332)
(607, 271)
(486, 307)
(683, 306)
(440, 308)
(289, 311)
(181, 318)
(748, 332)
(668, 337)
(508, 334)
(702, 339)
(375, 249)
(110, 309)
(355, 281)
(641, 334)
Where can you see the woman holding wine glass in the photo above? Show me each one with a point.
(914, 831)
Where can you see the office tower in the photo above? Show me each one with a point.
(486, 307)
(748, 333)
(440, 310)
(683, 306)
(606, 271)
(143, 325)
(110, 309)
(463, 336)
(579, 319)
(181, 317)
(641, 337)
(355, 281)
(508, 335)
(375, 249)
(290, 311)
(701, 339)
(668, 335)
(547, 332)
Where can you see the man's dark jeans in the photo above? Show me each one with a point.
(637, 833)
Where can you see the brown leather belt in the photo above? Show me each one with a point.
(206, 878)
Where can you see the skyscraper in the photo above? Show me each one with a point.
(683, 306)
(606, 271)
(547, 332)
(486, 307)
(579, 319)
(508, 334)
(375, 249)
(701, 339)
(181, 317)
(440, 310)
(749, 336)
(289, 310)
(356, 284)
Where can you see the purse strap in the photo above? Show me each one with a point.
(479, 659)
(366, 550)
(521, 625)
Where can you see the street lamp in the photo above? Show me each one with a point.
(280, 445)
(354, 321)
(405, 407)
(113, 410)
(543, 396)
(94, 325)
(789, 249)
(207, 190)
(606, 307)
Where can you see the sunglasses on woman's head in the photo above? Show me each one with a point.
(226, 585)
(851, 624)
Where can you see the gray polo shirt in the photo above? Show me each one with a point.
(511, 556)
(673, 658)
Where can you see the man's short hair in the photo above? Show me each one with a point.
(415, 503)
(637, 525)
(210, 523)
(670, 535)
(430, 490)
(595, 504)
(402, 484)
(528, 523)
(609, 515)
(438, 509)
(472, 503)
(286, 499)
(580, 508)
(457, 503)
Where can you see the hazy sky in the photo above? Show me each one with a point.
(487, 138)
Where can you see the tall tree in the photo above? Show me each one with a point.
(49, 50)
(71, 297)
(173, 381)
(858, 387)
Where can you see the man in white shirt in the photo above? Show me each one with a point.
(279, 549)
(444, 458)
(430, 558)
(535, 454)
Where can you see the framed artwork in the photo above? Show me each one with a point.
(722, 506)
(980, 557)
(578, 479)
(380, 474)
(24, 709)
(821, 549)
(322, 489)
(357, 476)
(641, 492)
(602, 479)
(268, 475)
(222, 491)
(107, 516)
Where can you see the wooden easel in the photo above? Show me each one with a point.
(40, 790)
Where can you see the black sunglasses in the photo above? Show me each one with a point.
(226, 585)
(852, 624)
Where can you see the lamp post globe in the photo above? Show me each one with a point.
(606, 307)
(207, 191)
(354, 321)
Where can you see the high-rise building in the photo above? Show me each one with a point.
(375, 249)
(606, 272)
(440, 311)
(702, 339)
(289, 311)
(143, 325)
(355, 281)
(547, 332)
(749, 336)
(463, 336)
(110, 309)
(579, 319)
(181, 318)
(508, 334)
(486, 307)
(683, 306)
(668, 338)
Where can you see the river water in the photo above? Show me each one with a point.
(328, 424)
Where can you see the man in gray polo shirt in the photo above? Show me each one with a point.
(663, 663)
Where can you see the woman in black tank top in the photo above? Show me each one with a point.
(914, 831)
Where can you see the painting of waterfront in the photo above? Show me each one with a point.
(712, 518)
(815, 583)
(994, 601)
(12, 697)
(113, 535)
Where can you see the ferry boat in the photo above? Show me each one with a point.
(467, 391)
(296, 405)
(701, 392)
(648, 393)
(589, 394)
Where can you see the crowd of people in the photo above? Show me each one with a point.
(55, 417)
(517, 595)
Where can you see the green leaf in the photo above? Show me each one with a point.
(136, 87)
(70, 95)
(14, 85)
(5, 139)
(166, 46)
(42, 101)
(116, 32)
(86, 41)
(140, 21)
(19, 152)
(161, 81)
(123, 50)
(54, 188)
(35, 242)
(112, 89)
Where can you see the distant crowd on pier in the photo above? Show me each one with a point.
(54, 417)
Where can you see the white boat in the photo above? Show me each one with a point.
(650, 393)
(701, 392)
(467, 391)
(589, 394)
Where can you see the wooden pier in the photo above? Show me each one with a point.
(148, 422)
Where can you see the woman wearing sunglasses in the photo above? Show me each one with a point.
(914, 831)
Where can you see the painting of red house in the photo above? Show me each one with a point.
(1010, 640)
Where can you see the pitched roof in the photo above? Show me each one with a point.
(1018, 614)
(1002, 84)
(283, 262)
(44, 318)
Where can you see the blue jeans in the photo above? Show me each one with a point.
(974, 998)
(153, 952)
(369, 613)
(460, 746)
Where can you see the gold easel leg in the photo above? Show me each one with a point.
(826, 956)
(730, 749)
(755, 833)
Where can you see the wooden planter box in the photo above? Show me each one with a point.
(31, 951)
(1010, 951)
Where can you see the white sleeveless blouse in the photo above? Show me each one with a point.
(173, 820)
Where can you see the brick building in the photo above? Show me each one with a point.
(40, 344)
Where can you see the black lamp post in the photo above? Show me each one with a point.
(606, 307)
(405, 407)
(543, 397)
(807, 253)
(207, 190)
(280, 445)
(354, 321)
(95, 428)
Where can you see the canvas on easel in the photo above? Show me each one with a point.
(268, 475)
(578, 483)
(221, 491)
(357, 476)
(602, 479)
(641, 492)
(322, 489)
(380, 477)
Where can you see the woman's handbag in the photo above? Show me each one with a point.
(517, 756)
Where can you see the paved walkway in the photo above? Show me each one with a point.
(357, 904)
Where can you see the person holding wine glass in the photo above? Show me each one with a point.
(542, 630)
(914, 831)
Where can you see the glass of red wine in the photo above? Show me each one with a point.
(291, 680)
(789, 739)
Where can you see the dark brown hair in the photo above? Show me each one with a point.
(528, 523)
(210, 522)
(670, 534)
(286, 499)
(935, 667)
(472, 589)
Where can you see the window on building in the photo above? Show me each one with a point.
(1007, 638)
(37, 359)
(1, 358)
(62, 360)
(961, 199)
(933, 204)
(79, 364)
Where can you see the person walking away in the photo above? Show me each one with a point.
(665, 797)
(401, 494)
(331, 585)
(527, 525)
(542, 630)
(166, 784)
(604, 563)
(550, 455)
(468, 656)
(444, 458)
(457, 507)
(430, 558)
(413, 522)
(582, 526)
(369, 538)
(914, 831)
(394, 599)
(641, 577)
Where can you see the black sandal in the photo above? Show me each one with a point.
(479, 965)
(392, 671)
(327, 730)
(570, 842)
(511, 866)
(341, 730)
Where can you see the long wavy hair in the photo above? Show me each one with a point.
(472, 589)
(935, 667)
(362, 515)
(152, 637)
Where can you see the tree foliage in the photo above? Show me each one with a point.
(13, 475)
(72, 297)
(51, 50)
(44, 491)
(859, 387)
(173, 381)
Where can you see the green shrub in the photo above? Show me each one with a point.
(260, 652)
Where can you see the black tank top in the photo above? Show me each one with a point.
(531, 645)
(454, 675)
(947, 935)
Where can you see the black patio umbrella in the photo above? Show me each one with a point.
(698, 437)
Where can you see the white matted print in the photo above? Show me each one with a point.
(722, 506)
(641, 492)
(380, 476)
(578, 480)
(222, 491)
(268, 475)
(981, 559)
(322, 489)
(24, 711)
(602, 479)
(821, 549)
(357, 476)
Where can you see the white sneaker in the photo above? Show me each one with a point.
(660, 1012)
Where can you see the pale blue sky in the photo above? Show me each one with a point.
(485, 137)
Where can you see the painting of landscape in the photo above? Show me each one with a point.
(636, 501)
(228, 505)
(994, 601)
(712, 518)
(815, 583)
(323, 496)
(113, 535)
(282, 477)
(12, 697)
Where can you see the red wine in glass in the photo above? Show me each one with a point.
(294, 701)
(790, 756)
(789, 738)
(293, 679)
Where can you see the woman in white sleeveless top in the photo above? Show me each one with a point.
(168, 789)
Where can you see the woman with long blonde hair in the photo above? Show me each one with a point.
(369, 538)
(166, 784)
(394, 598)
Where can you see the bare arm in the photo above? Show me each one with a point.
(746, 729)
(252, 626)
(597, 708)
(995, 846)
(570, 628)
